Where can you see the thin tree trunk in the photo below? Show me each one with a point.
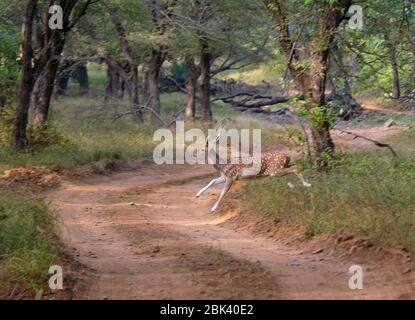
(63, 77)
(19, 138)
(111, 88)
(134, 97)
(191, 89)
(396, 88)
(42, 92)
(316, 97)
(153, 88)
(205, 66)
(153, 81)
(412, 45)
(81, 74)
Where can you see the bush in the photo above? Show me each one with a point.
(43, 136)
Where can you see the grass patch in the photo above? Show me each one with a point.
(27, 242)
(366, 194)
(89, 135)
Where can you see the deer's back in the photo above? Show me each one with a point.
(271, 163)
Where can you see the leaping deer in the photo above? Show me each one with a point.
(272, 164)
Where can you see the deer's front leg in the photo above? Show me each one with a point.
(226, 187)
(214, 182)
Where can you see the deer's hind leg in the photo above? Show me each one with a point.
(294, 170)
(214, 182)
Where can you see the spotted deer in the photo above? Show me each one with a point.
(272, 164)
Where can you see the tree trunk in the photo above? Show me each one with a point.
(205, 66)
(396, 88)
(153, 91)
(315, 96)
(191, 89)
(81, 75)
(19, 138)
(153, 81)
(42, 93)
(412, 45)
(63, 77)
(43, 90)
(122, 90)
(312, 80)
(111, 89)
(134, 97)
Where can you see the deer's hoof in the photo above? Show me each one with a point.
(290, 185)
(307, 185)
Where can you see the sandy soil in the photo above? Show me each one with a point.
(143, 235)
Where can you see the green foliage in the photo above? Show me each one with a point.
(27, 241)
(364, 194)
(178, 72)
(7, 116)
(9, 68)
(9, 50)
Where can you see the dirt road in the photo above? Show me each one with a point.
(143, 235)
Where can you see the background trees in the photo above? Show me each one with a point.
(195, 47)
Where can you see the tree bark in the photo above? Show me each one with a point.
(51, 43)
(43, 90)
(412, 45)
(396, 88)
(81, 75)
(205, 66)
(113, 83)
(63, 77)
(19, 138)
(134, 97)
(153, 81)
(190, 110)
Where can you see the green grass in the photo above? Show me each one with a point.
(27, 242)
(269, 72)
(367, 194)
(89, 136)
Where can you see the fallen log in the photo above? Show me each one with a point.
(255, 100)
(375, 142)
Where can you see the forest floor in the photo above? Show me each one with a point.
(142, 234)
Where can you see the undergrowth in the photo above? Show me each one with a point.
(28, 243)
(366, 194)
